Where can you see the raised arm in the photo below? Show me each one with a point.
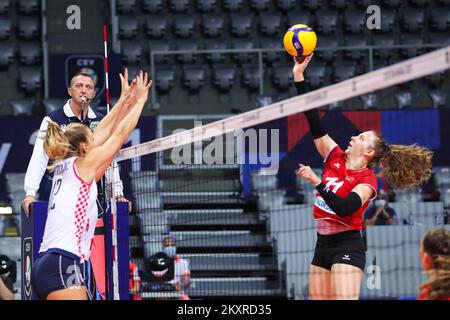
(105, 127)
(96, 161)
(322, 140)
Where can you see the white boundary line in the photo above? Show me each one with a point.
(423, 65)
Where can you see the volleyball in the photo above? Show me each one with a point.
(300, 40)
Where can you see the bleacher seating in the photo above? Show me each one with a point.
(193, 77)
(6, 55)
(22, 106)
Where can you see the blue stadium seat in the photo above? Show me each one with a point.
(216, 44)
(133, 70)
(152, 6)
(126, 6)
(285, 5)
(413, 40)
(193, 77)
(5, 6)
(406, 99)
(5, 28)
(353, 40)
(156, 25)
(6, 55)
(440, 98)
(419, 3)
(30, 79)
(29, 52)
(187, 45)
(364, 3)
(327, 42)
(179, 5)
(265, 100)
(440, 38)
(381, 39)
(387, 22)
(233, 5)
(355, 21)
(28, 27)
(52, 104)
(317, 74)
(270, 43)
(371, 101)
(339, 4)
(131, 51)
(242, 43)
(22, 106)
(378, 63)
(312, 5)
(282, 75)
(343, 71)
(241, 24)
(224, 77)
(128, 26)
(392, 3)
(300, 17)
(184, 25)
(28, 6)
(327, 22)
(270, 23)
(412, 19)
(259, 5)
(213, 24)
(440, 18)
(159, 45)
(165, 77)
(206, 5)
(251, 77)
(436, 80)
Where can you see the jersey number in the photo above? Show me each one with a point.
(333, 183)
(56, 188)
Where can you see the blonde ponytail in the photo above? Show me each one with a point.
(60, 145)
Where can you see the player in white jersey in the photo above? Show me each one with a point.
(80, 159)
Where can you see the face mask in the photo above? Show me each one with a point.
(170, 251)
(380, 203)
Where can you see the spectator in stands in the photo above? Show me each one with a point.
(380, 214)
(76, 110)
(135, 282)
(434, 255)
(6, 284)
(430, 191)
(182, 273)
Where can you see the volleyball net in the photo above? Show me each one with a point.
(225, 189)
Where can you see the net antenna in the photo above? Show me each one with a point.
(112, 178)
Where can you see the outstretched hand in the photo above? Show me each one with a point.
(300, 67)
(124, 83)
(143, 84)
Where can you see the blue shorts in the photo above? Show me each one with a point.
(54, 270)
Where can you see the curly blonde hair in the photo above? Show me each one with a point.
(402, 166)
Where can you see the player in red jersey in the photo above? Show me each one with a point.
(347, 185)
(434, 255)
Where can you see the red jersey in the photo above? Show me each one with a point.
(341, 181)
